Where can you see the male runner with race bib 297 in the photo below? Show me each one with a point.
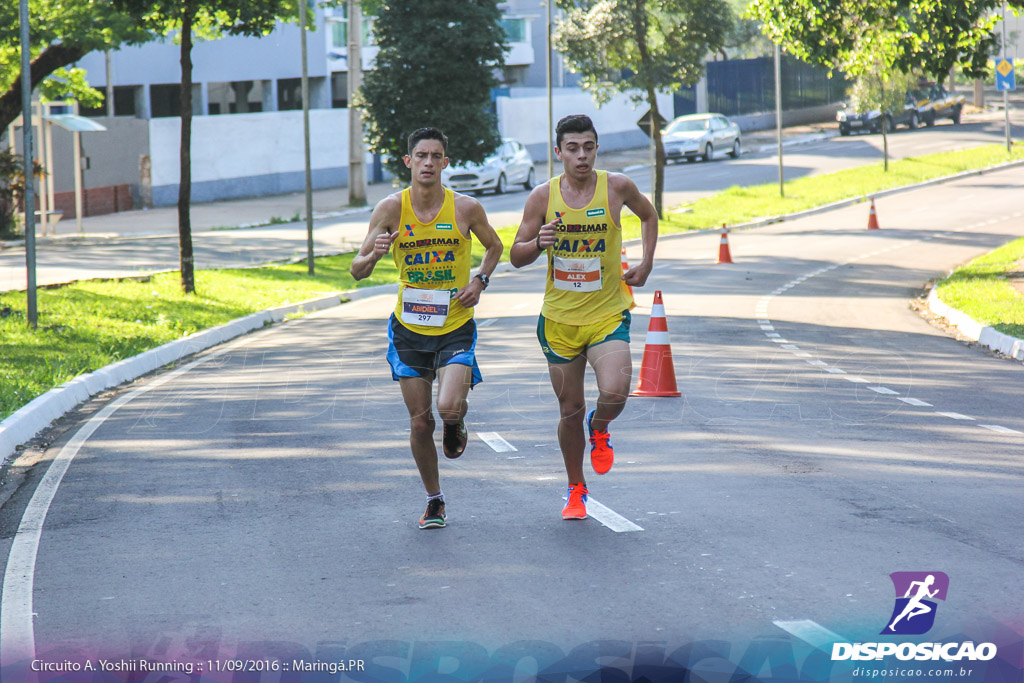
(431, 332)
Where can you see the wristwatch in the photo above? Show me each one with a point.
(484, 279)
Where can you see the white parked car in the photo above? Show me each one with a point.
(700, 135)
(511, 164)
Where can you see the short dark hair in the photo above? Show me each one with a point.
(574, 123)
(428, 133)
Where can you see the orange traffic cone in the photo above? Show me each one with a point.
(872, 217)
(723, 250)
(657, 373)
(625, 267)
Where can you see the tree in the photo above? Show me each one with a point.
(435, 68)
(62, 33)
(206, 19)
(641, 47)
(881, 88)
(929, 36)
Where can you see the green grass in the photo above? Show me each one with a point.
(88, 325)
(980, 289)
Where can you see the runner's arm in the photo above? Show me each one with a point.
(469, 295)
(644, 210)
(381, 234)
(533, 237)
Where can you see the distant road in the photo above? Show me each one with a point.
(68, 261)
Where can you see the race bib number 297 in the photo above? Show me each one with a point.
(427, 307)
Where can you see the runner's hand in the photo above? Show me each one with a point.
(637, 275)
(383, 243)
(547, 237)
(469, 295)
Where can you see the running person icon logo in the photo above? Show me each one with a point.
(916, 595)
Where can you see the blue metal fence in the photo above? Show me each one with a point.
(747, 86)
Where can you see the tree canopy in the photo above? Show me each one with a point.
(640, 48)
(63, 31)
(924, 36)
(435, 68)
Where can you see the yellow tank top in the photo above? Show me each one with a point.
(584, 283)
(433, 261)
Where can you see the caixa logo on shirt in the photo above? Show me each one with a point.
(913, 614)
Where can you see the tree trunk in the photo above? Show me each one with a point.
(885, 141)
(646, 68)
(187, 260)
(51, 59)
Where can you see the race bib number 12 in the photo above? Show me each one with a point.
(427, 307)
(577, 275)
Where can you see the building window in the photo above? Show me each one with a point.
(124, 102)
(515, 29)
(289, 94)
(339, 29)
(165, 100)
(235, 97)
(339, 89)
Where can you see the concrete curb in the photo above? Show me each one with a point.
(975, 331)
(32, 418)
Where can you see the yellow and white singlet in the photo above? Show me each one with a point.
(433, 261)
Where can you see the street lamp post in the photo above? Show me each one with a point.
(778, 112)
(305, 138)
(30, 195)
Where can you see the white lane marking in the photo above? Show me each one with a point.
(487, 323)
(812, 633)
(835, 371)
(608, 517)
(955, 416)
(1001, 430)
(819, 363)
(789, 347)
(496, 442)
(884, 390)
(801, 354)
(916, 402)
(779, 341)
(855, 380)
(17, 639)
(772, 335)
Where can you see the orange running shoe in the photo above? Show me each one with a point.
(576, 503)
(601, 452)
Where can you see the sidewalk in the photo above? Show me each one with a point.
(333, 202)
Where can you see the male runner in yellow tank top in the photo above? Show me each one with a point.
(432, 332)
(574, 219)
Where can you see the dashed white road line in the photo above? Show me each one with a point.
(608, 517)
(772, 335)
(496, 442)
(1001, 430)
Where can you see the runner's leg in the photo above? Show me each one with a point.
(613, 367)
(453, 383)
(417, 394)
(567, 381)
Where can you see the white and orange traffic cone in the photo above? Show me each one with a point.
(872, 217)
(657, 373)
(724, 256)
(625, 267)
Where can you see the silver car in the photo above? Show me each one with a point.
(700, 135)
(511, 164)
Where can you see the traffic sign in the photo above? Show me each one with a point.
(1004, 75)
(645, 122)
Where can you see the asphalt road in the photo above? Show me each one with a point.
(262, 502)
(67, 260)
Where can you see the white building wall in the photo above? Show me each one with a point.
(249, 154)
(524, 116)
